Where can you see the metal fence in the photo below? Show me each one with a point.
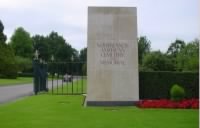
(67, 78)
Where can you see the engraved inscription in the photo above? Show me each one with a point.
(112, 53)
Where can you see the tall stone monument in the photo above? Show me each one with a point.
(112, 57)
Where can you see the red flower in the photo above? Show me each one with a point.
(164, 103)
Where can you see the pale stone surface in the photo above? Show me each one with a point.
(112, 54)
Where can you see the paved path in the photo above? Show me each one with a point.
(9, 93)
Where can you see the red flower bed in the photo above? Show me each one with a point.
(164, 103)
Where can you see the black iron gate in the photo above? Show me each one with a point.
(61, 78)
(39, 76)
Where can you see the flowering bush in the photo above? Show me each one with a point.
(164, 103)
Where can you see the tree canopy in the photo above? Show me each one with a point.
(21, 42)
(180, 55)
(188, 57)
(7, 58)
(54, 44)
(144, 46)
(157, 61)
(2, 36)
(83, 55)
(175, 47)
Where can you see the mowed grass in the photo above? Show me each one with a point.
(66, 111)
(19, 80)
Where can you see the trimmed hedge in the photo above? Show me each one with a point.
(8, 67)
(26, 74)
(8, 71)
(156, 85)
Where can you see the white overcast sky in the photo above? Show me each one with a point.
(162, 21)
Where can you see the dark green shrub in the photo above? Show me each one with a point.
(26, 74)
(177, 92)
(8, 67)
(23, 64)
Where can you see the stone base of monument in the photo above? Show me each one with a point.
(111, 103)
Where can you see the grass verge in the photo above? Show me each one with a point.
(58, 111)
(19, 80)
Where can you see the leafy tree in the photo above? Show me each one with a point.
(22, 43)
(188, 58)
(144, 46)
(2, 36)
(75, 55)
(65, 53)
(55, 45)
(157, 61)
(8, 67)
(175, 47)
(40, 44)
(23, 64)
(55, 42)
(83, 55)
(60, 48)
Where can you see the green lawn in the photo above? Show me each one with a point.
(58, 111)
(19, 80)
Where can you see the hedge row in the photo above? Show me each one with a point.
(8, 71)
(25, 74)
(156, 85)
